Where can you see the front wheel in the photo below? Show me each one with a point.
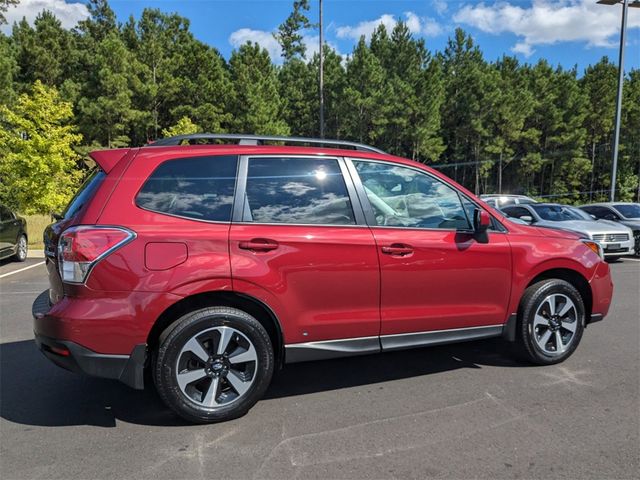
(21, 249)
(214, 365)
(551, 321)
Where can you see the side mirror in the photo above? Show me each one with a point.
(527, 218)
(594, 217)
(481, 220)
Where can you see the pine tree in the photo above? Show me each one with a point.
(43, 51)
(289, 34)
(363, 94)
(257, 107)
(106, 107)
(8, 70)
(464, 109)
(599, 85)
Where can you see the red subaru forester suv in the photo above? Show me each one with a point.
(208, 265)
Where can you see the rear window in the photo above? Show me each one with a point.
(200, 188)
(85, 194)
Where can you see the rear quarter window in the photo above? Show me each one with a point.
(85, 193)
(200, 188)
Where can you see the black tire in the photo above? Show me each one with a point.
(21, 248)
(612, 259)
(528, 340)
(210, 321)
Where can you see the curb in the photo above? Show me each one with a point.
(35, 253)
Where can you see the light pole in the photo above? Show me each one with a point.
(321, 79)
(616, 136)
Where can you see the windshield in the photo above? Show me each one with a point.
(556, 213)
(630, 210)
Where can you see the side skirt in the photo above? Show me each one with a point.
(303, 352)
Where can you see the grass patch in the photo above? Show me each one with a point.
(35, 227)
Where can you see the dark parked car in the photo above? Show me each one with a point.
(209, 266)
(626, 213)
(13, 235)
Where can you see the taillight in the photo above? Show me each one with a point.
(81, 247)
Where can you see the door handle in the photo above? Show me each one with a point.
(397, 249)
(258, 245)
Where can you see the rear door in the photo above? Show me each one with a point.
(435, 274)
(300, 244)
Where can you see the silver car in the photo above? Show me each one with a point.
(497, 200)
(626, 213)
(616, 239)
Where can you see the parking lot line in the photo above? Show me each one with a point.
(22, 269)
(632, 259)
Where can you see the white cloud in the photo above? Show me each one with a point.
(261, 37)
(267, 41)
(547, 22)
(523, 48)
(417, 25)
(69, 14)
(440, 6)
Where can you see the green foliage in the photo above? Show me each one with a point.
(256, 102)
(490, 125)
(289, 36)
(184, 127)
(4, 6)
(38, 167)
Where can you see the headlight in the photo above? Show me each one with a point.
(595, 246)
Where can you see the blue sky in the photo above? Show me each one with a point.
(566, 32)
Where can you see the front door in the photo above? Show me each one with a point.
(435, 273)
(298, 244)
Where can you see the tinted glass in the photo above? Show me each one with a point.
(631, 210)
(200, 188)
(404, 197)
(85, 193)
(556, 213)
(297, 190)
(581, 213)
(517, 212)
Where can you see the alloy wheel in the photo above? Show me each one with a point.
(555, 323)
(22, 248)
(216, 367)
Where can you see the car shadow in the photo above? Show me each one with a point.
(33, 391)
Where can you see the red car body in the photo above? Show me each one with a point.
(321, 283)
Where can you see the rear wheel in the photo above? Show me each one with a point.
(214, 365)
(21, 249)
(551, 321)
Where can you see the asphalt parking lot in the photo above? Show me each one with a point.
(461, 411)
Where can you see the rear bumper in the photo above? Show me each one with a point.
(69, 355)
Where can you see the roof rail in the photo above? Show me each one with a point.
(260, 140)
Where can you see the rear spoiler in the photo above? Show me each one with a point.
(107, 159)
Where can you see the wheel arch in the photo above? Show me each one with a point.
(574, 278)
(254, 307)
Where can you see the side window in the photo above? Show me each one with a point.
(517, 212)
(404, 197)
(609, 214)
(297, 190)
(199, 187)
